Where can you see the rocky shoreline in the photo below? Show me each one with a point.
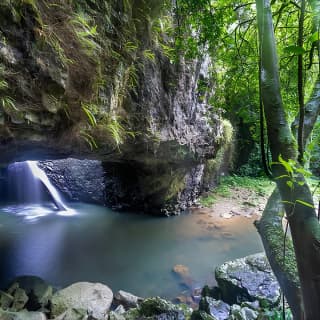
(247, 289)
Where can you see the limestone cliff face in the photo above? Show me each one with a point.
(99, 80)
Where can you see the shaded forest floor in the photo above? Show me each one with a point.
(238, 196)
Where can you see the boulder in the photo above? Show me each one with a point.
(238, 313)
(116, 316)
(22, 315)
(248, 279)
(38, 291)
(213, 292)
(93, 298)
(20, 299)
(73, 314)
(201, 315)
(216, 308)
(161, 309)
(6, 300)
(127, 299)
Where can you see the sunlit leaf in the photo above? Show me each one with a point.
(310, 205)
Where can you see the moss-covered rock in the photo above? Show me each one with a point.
(248, 279)
(93, 80)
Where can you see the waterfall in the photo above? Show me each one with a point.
(27, 181)
(41, 175)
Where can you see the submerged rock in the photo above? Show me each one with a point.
(181, 270)
(93, 299)
(248, 279)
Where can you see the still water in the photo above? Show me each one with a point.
(126, 251)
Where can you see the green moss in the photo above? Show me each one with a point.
(201, 315)
(155, 306)
(273, 232)
(227, 131)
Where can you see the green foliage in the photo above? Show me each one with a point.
(148, 54)
(47, 35)
(132, 76)
(276, 315)
(86, 32)
(88, 110)
(89, 139)
(8, 104)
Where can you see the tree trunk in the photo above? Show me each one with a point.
(294, 191)
(312, 109)
(271, 231)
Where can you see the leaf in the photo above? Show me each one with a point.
(283, 176)
(314, 37)
(294, 49)
(290, 184)
(310, 205)
(286, 164)
(90, 115)
(287, 202)
(89, 139)
(304, 172)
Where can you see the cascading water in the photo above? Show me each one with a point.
(27, 180)
(41, 175)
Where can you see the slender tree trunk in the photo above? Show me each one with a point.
(293, 189)
(301, 84)
(312, 110)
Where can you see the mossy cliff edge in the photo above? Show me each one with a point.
(100, 80)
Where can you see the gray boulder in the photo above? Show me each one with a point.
(248, 279)
(238, 313)
(23, 315)
(216, 308)
(6, 300)
(14, 299)
(116, 316)
(72, 314)
(20, 299)
(127, 299)
(93, 298)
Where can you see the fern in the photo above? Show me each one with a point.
(3, 85)
(89, 139)
(90, 116)
(148, 54)
(116, 131)
(8, 103)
